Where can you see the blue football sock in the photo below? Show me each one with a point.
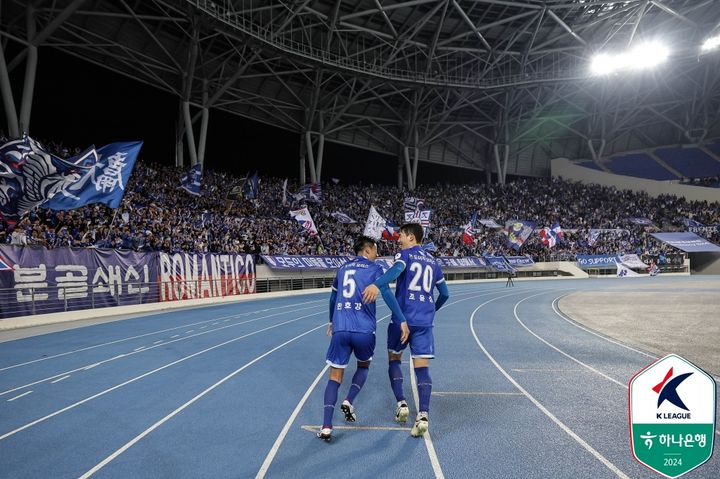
(424, 386)
(396, 380)
(358, 381)
(331, 394)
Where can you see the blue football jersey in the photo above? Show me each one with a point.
(350, 314)
(415, 285)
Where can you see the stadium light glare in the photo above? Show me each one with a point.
(711, 43)
(646, 55)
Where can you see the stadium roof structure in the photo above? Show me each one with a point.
(493, 85)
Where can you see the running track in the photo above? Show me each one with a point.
(236, 391)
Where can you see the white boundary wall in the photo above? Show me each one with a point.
(52, 318)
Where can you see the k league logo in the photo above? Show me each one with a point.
(672, 416)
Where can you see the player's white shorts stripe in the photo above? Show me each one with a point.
(394, 352)
(441, 280)
(337, 366)
(423, 356)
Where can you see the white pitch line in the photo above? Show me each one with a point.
(542, 408)
(60, 379)
(426, 437)
(188, 332)
(159, 423)
(147, 334)
(18, 397)
(176, 336)
(158, 341)
(358, 428)
(139, 349)
(137, 378)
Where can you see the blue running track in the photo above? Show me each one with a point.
(235, 391)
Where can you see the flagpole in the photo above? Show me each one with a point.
(111, 223)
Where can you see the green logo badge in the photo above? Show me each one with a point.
(672, 416)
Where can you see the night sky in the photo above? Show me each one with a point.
(79, 104)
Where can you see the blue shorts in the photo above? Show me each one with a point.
(345, 342)
(422, 342)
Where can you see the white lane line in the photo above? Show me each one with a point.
(175, 336)
(158, 341)
(18, 397)
(60, 379)
(717, 431)
(472, 393)
(281, 437)
(90, 366)
(139, 349)
(190, 331)
(202, 327)
(137, 378)
(545, 370)
(150, 334)
(610, 340)
(572, 358)
(144, 348)
(618, 343)
(542, 408)
(162, 421)
(358, 428)
(437, 470)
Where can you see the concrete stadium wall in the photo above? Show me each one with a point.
(705, 263)
(570, 171)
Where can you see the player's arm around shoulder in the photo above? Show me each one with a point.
(370, 293)
(443, 291)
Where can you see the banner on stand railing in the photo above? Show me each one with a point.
(39, 280)
(194, 276)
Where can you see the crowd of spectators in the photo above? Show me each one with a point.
(156, 215)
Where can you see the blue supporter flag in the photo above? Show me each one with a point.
(104, 182)
(311, 192)
(518, 231)
(30, 175)
(191, 181)
(250, 188)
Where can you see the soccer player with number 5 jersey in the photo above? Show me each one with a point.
(352, 328)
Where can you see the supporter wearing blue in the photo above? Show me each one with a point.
(417, 274)
(352, 328)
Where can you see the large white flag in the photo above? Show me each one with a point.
(303, 217)
(624, 272)
(375, 224)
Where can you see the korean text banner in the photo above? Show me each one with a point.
(44, 281)
(38, 280)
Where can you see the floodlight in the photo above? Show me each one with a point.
(646, 55)
(711, 43)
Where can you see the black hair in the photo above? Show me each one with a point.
(414, 229)
(362, 242)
